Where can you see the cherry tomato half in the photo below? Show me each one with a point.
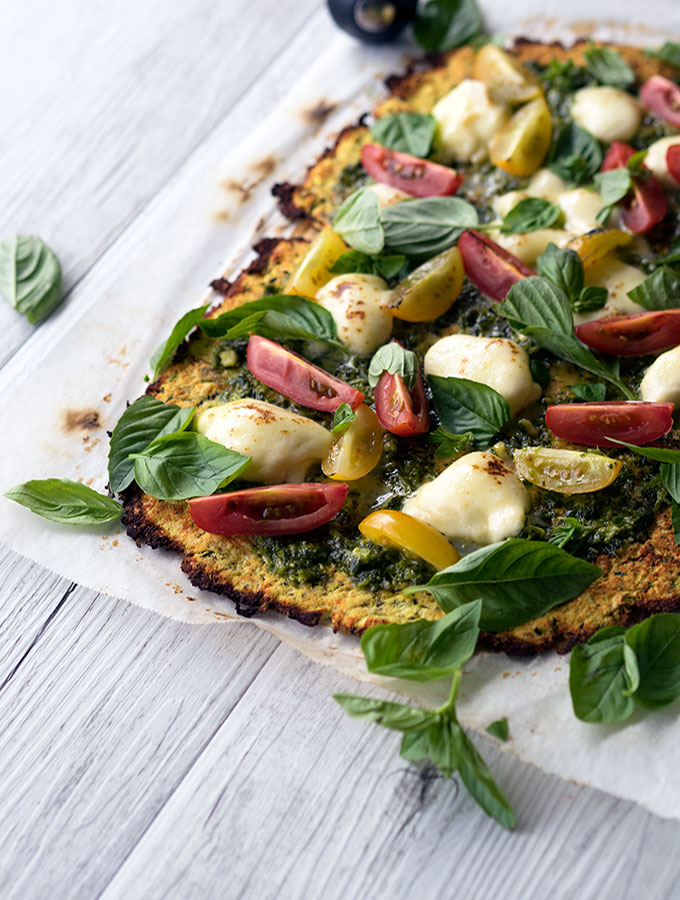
(488, 266)
(647, 205)
(673, 162)
(593, 423)
(397, 529)
(275, 509)
(662, 96)
(296, 378)
(632, 335)
(617, 156)
(415, 176)
(399, 410)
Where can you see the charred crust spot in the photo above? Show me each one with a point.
(80, 420)
(285, 195)
(220, 285)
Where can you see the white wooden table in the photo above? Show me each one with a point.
(144, 758)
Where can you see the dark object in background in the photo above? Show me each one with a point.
(374, 21)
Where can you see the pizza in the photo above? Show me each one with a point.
(442, 420)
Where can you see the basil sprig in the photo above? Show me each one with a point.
(565, 270)
(163, 355)
(355, 262)
(609, 67)
(280, 317)
(445, 24)
(396, 360)
(530, 214)
(517, 580)
(448, 445)
(466, 406)
(613, 186)
(575, 155)
(141, 423)
(184, 465)
(66, 502)
(660, 290)
(30, 276)
(357, 221)
(343, 417)
(406, 132)
(426, 226)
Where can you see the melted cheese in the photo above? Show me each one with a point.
(580, 207)
(498, 362)
(282, 444)
(467, 120)
(656, 160)
(530, 245)
(358, 303)
(619, 278)
(607, 113)
(388, 195)
(477, 498)
(661, 383)
(546, 184)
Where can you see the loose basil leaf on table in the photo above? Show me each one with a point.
(668, 52)
(183, 465)
(589, 392)
(30, 276)
(660, 290)
(499, 729)
(396, 360)
(530, 214)
(406, 132)
(397, 716)
(343, 417)
(279, 317)
(475, 775)
(575, 155)
(603, 676)
(66, 502)
(448, 445)
(516, 579)
(465, 406)
(357, 221)
(163, 355)
(355, 262)
(445, 24)
(427, 225)
(609, 67)
(142, 422)
(656, 645)
(423, 651)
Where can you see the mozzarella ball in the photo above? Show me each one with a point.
(498, 362)
(467, 121)
(661, 383)
(580, 207)
(530, 245)
(359, 305)
(607, 113)
(656, 160)
(388, 195)
(282, 444)
(546, 184)
(477, 498)
(619, 278)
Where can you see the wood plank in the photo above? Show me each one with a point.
(294, 799)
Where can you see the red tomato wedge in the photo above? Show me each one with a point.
(296, 378)
(662, 97)
(673, 162)
(399, 410)
(593, 423)
(617, 156)
(646, 206)
(415, 176)
(276, 509)
(632, 335)
(488, 266)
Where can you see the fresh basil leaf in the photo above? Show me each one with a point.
(406, 132)
(66, 502)
(280, 317)
(675, 520)
(591, 297)
(659, 454)
(668, 52)
(575, 155)
(355, 262)
(423, 651)
(445, 24)
(603, 676)
(142, 422)
(357, 221)
(30, 276)
(660, 290)
(672, 256)
(670, 478)
(530, 214)
(475, 775)
(417, 745)
(613, 185)
(183, 465)
(537, 301)
(564, 269)
(343, 417)
(656, 645)
(468, 406)
(427, 225)
(564, 76)
(589, 392)
(517, 580)
(396, 360)
(499, 729)
(635, 164)
(609, 67)
(567, 530)
(163, 355)
(540, 372)
(396, 716)
(449, 445)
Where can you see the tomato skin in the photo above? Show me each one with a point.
(662, 96)
(617, 156)
(399, 410)
(673, 162)
(632, 335)
(294, 377)
(647, 205)
(592, 424)
(488, 266)
(275, 509)
(415, 176)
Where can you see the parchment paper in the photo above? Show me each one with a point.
(70, 383)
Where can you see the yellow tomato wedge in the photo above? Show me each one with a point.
(397, 529)
(566, 471)
(594, 246)
(507, 79)
(356, 451)
(521, 145)
(313, 271)
(430, 289)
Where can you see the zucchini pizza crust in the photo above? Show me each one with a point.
(642, 579)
